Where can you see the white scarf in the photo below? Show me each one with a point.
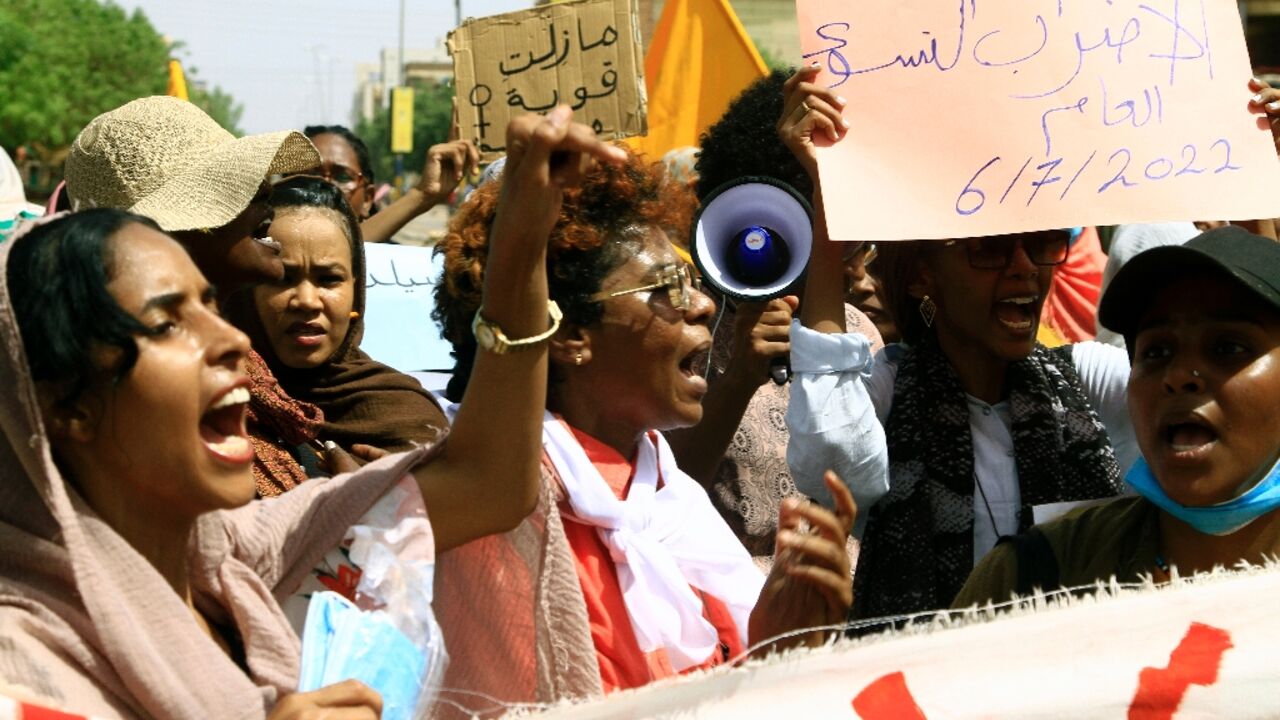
(662, 541)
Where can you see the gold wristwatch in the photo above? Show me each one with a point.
(490, 337)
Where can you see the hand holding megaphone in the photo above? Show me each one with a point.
(761, 338)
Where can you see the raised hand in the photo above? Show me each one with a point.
(1266, 100)
(544, 156)
(810, 585)
(810, 110)
(445, 166)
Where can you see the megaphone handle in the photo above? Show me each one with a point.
(780, 370)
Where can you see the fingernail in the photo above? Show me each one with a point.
(559, 117)
(845, 123)
(1257, 99)
(1274, 105)
(330, 445)
(785, 537)
(842, 101)
(813, 64)
(617, 152)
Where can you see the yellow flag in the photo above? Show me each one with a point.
(402, 120)
(699, 60)
(177, 81)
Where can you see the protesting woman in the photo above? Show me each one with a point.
(143, 579)
(307, 326)
(1202, 322)
(625, 574)
(982, 424)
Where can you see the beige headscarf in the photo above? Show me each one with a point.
(86, 623)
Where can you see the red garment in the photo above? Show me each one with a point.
(1072, 306)
(622, 663)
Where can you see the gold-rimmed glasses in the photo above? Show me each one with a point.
(675, 277)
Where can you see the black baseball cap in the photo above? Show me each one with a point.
(1251, 260)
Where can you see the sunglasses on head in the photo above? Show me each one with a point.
(995, 252)
(676, 278)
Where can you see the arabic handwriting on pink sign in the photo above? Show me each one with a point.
(982, 117)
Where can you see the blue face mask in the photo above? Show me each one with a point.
(1221, 519)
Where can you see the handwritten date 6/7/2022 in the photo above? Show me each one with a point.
(1120, 170)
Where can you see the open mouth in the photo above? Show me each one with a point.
(696, 363)
(222, 427)
(271, 243)
(309, 334)
(261, 236)
(1189, 435)
(693, 368)
(1017, 313)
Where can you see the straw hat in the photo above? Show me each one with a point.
(164, 158)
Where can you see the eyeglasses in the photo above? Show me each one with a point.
(345, 178)
(995, 252)
(866, 249)
(675, 278)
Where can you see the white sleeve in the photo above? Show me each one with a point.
(832, 421)
(1104, 373)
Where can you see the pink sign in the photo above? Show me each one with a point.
(983, 117)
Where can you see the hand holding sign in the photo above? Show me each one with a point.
(1057, 113)
(809, 112)
(1267, 101)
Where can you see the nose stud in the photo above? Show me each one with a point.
(1195, 373)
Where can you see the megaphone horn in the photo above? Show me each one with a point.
(751, 241)
(752, 238)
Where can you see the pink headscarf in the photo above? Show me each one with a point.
(88, 625)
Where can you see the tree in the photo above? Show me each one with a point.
(432, 118)
(67, 61)
(64, 62)
(217, 103)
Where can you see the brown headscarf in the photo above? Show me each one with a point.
(363, 401)
(277, 421)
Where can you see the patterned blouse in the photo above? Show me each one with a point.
(752, 479)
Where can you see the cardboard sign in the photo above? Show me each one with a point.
(981, 117)
(1191, 652)
(584, 54)
(398, 329)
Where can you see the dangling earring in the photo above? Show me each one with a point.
(928, 309)
(577, 359)
(354, 314)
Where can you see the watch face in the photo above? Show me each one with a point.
(484, 335)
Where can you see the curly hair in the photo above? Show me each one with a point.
(594, 235)
(744, 141)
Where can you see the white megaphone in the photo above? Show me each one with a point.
(752, 240)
